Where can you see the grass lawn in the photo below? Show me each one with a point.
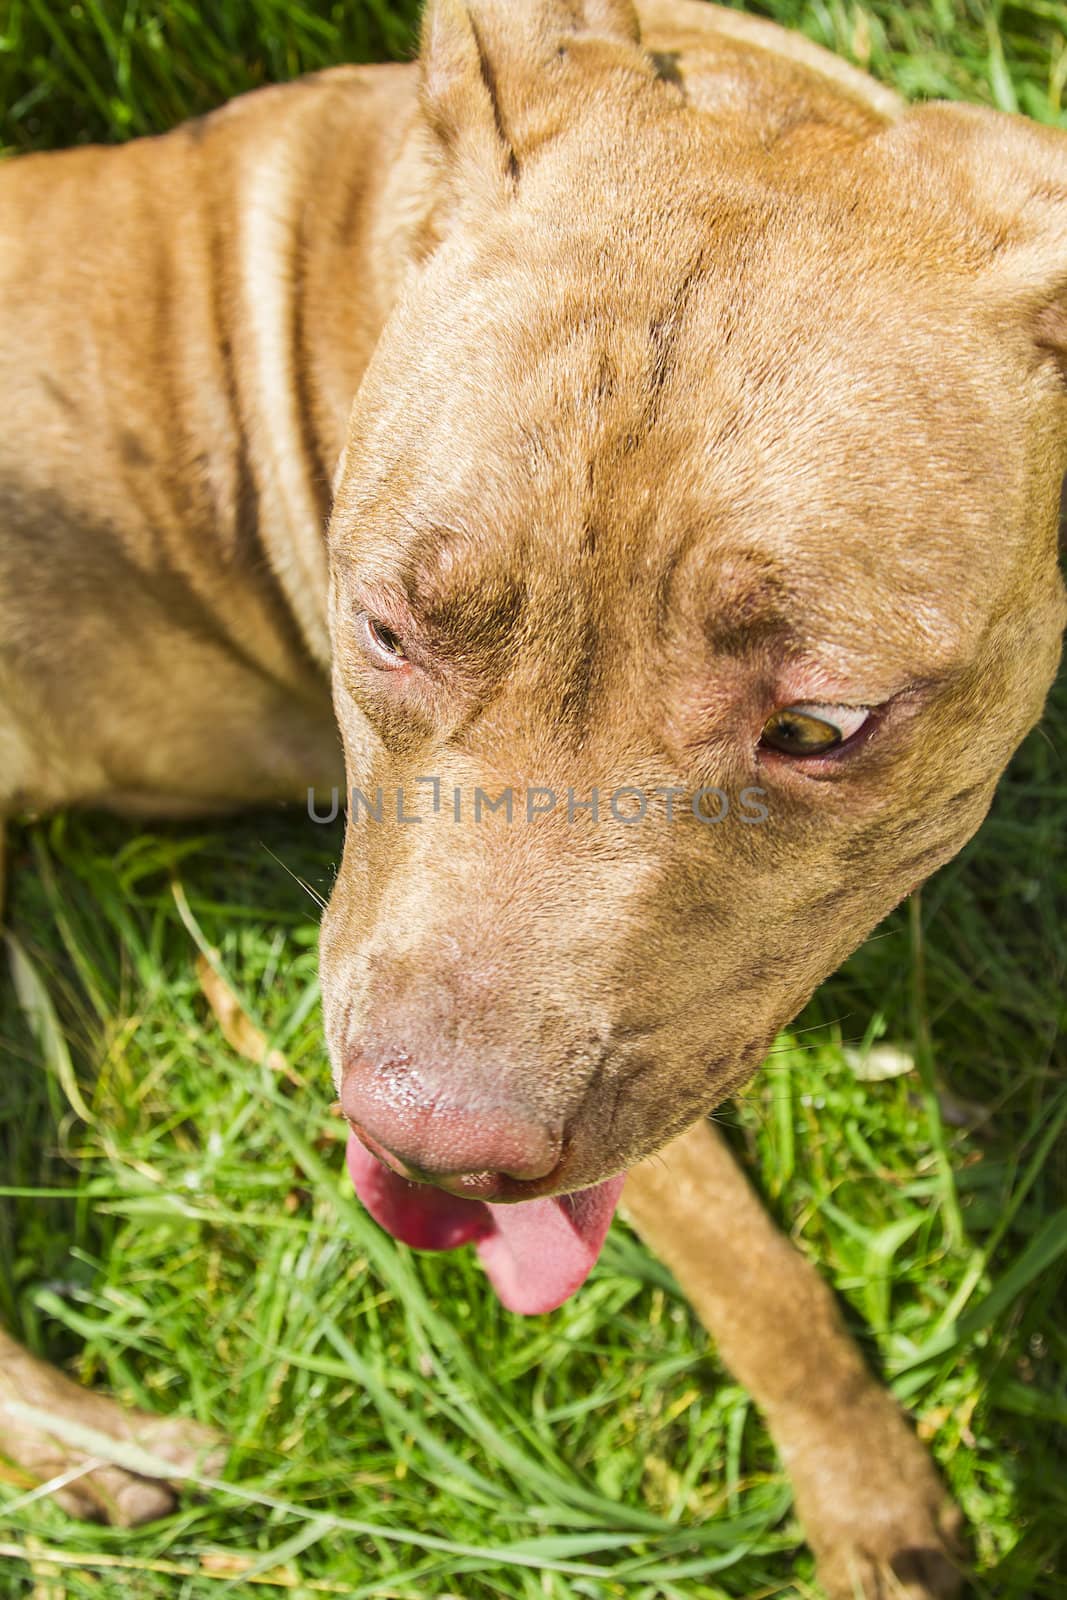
(175, 1224)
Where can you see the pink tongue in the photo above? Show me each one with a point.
(536, 1253)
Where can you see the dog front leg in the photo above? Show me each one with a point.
(84, 1487)
(874, 1511)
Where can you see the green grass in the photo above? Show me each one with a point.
(193, 1245)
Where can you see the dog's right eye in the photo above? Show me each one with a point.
(384, 647)
(810, 730)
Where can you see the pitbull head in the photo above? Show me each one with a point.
(704, 482)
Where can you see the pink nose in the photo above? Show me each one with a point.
(439, 1135)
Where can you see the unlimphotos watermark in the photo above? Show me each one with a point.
(628, 805)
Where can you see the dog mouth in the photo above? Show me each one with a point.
(536, 1252)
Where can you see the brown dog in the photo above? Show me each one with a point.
(700, 495)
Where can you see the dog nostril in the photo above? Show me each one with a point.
(472, 1184)
(534, 1166)
(463, 1183)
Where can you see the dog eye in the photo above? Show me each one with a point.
(380, 642)
(811, 730)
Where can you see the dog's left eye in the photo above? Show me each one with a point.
(380, 643)
(810, 730)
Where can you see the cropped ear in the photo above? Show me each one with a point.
(457, 96)
(490, 73)
(1005, 179)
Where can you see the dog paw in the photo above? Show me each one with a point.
(877, 1516)
(913, 1563)
(96, 1490)
(127, 1499)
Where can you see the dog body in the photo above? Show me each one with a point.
(704, 400)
